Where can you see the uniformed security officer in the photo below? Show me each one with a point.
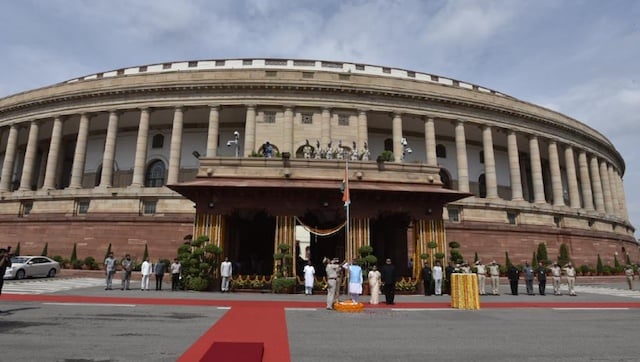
(494, 271)
(482, 276)
(555, 275)
(541, 274)
(332, 269)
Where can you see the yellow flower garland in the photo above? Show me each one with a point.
(348, 307)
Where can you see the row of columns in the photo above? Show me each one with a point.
(601, 185)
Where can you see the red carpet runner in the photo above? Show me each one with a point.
(255, 325)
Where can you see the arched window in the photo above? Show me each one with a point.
(441, 151)
(482, 186)
(155, 174)
(158, 141)
(445, 177)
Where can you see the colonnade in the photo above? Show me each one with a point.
(600, 188)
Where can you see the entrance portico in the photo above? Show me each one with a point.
(385, 201)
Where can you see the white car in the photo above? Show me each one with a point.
(24, 266)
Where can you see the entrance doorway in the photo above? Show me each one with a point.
(324, 246)
(249, 242)
(389, 240)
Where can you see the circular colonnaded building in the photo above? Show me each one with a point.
(247, 151)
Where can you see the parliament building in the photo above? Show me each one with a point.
(251, 151)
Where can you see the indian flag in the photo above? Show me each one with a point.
(345, 187)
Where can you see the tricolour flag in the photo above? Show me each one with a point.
(346, 198)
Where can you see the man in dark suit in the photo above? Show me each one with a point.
(389, 280)
(514, 275)
(426, 279)
(541, 274)
(447, 277)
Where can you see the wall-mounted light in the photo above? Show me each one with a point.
(196, 154)
(359, 175)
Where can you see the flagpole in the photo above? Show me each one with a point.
(348, 206)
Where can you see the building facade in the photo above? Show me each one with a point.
(88, 161)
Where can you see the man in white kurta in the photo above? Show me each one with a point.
(309, 278)
(437, 278)
(145, 270)
(355, 279)
(225, 273)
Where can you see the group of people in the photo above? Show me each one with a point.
(146, 269)
(433, 278)
(384, 278)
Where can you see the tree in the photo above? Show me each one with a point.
(108, 251)
(17, 251)
(199, 259)
(599, 266)
(45, 249)
(455, 256)
(145, 255)
(475, 257)
(74, 254)
(542, 253)
(534, 260)
(563, 258)
(507, 261)
(616, 263)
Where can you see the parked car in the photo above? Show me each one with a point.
(24, 266)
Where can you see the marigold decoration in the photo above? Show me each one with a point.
(348, 306)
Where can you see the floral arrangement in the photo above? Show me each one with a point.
(407, 284)
(348, 307)
(251, 282)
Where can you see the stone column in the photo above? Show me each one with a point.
(29, 157)
(212, 135)
(606, 187)
(461, 158)
(623, 198)
(596, 183)
(288, 131)
(489, 163)
(572, 179)
(614, 191)
(79, 155)
(52, 156)
(363, 136)
(396, 129)
(250, 131)
(430, 141)
(585, 181)
(141, 149)
(514, 167)
(536, 171)
(9, 159)
(176, 146)
(556, 179)
(109, 150)
(325, 127)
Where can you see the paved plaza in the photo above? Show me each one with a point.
(87, 323)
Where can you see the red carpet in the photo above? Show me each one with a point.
(256, 325)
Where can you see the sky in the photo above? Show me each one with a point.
(581, 58)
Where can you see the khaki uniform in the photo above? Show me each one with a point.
(628, 272)
(332, 276)
(571, 279)
(555, 276)
(482, 276)
(494, 271)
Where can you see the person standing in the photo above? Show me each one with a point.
(374, 285)
(159, 270)
(514, 276)
(145, 270)
(355, 279)
(5, 262)
(426, 278)
(309, 277)
(437, 278)
(127, 269)
(448, 270)
(570, 272)
(175, 274)
(528, 278)
(628, 272)
(555, 277)
(541, 274)
(389, 280)
(332, 275)
(481, 271)
(109, 270)
(226, 270)
(494, 272)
